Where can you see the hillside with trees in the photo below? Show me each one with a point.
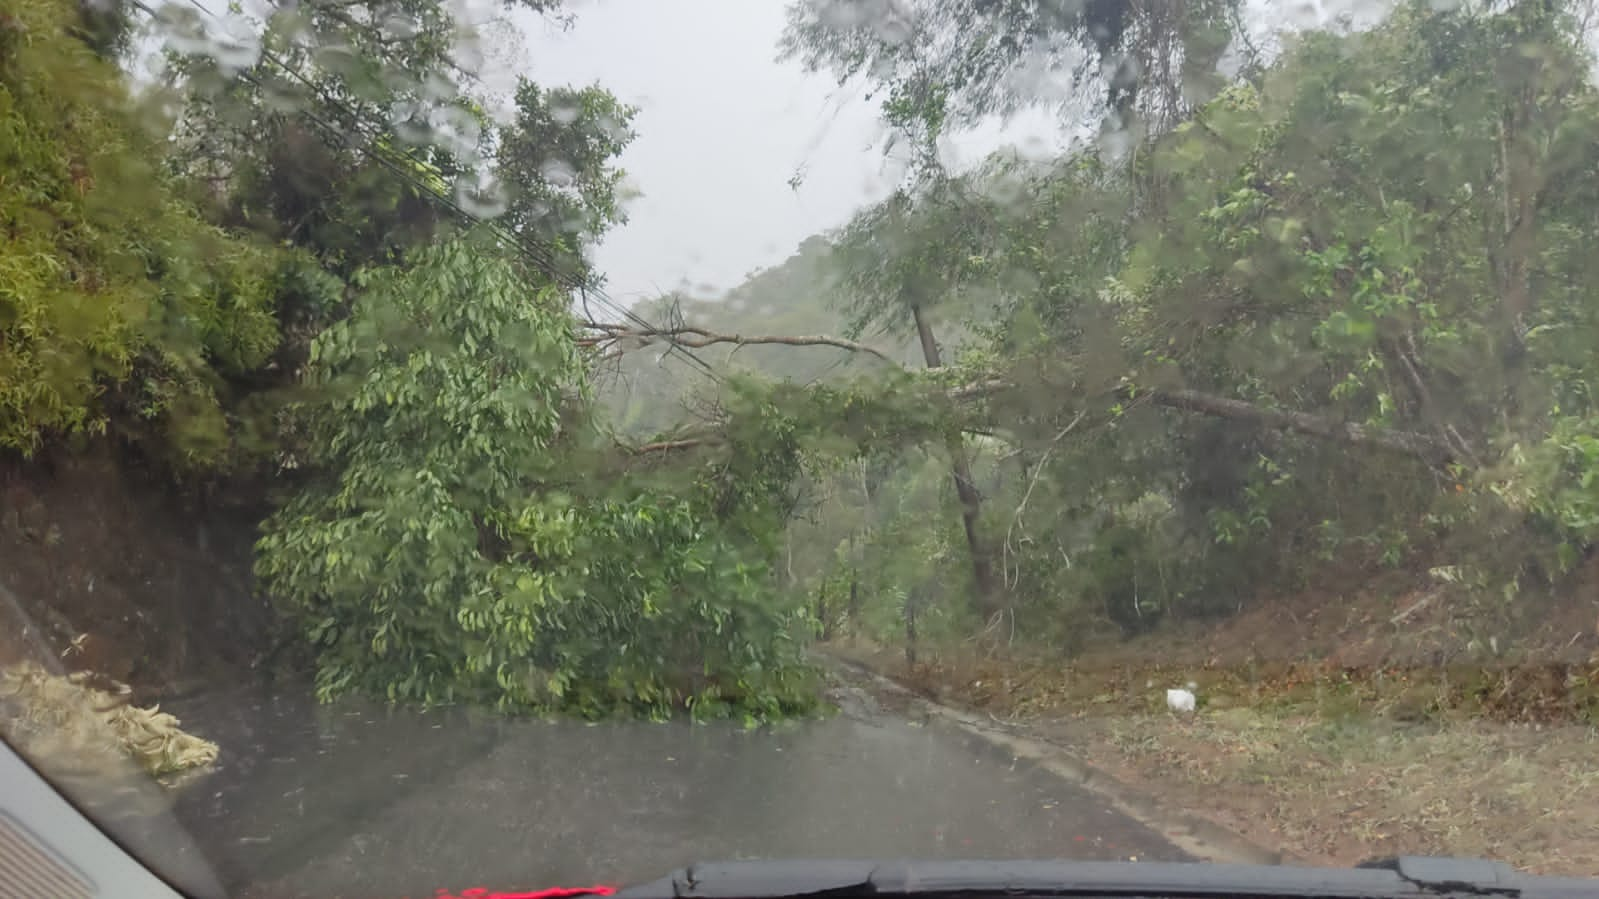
(1326, 325)
(1331, 320)
(1279, 383)
(1326, 317)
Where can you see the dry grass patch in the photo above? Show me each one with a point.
(1329, 766)
(1347, 789)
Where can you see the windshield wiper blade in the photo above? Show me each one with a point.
(1409, 877)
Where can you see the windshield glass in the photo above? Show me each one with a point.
(545, 443)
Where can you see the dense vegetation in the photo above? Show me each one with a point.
(1331, 317)
(455, 545)
(107, 278)
(1332, 310)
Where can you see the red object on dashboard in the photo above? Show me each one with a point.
(553, 893)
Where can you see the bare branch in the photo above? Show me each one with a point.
(696, 338)
(1410, 443)
(1009, 548)
(666, 446)
(979, 388)
(1422, 446)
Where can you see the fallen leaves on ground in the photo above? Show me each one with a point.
(87, 732)
(1334, 765)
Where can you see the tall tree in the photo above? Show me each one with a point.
(358, 130)
(947, 65)
(556, 163)
(354, 131)
(898, 262)
(1359, 287)
(117, 301)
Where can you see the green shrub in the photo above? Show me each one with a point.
(114, 296)
(455, 545)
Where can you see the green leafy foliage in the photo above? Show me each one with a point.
(1359, 235)
(453, 550)
(1362, 238)
(941, 65)
(418, 395)
(287, 146)
(1334, 313)
(116, 299)
(357, 133)
(556, 163)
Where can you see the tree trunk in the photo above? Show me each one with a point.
(1404, 363)
(971, 501)
(853, 613)
(853, 610)
(1426, 447)
(854, 607)
(1423, 446)
(910, 629)
(1520, 186)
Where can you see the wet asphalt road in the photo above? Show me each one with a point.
(359, 800)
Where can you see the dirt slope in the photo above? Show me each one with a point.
(108, 566)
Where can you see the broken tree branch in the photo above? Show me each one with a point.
(979, 388)
(667, 446)
(1009, 548)
(697, 338)
(1422, 446)
(1410, 443)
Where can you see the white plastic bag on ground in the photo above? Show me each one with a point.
(1180, 700)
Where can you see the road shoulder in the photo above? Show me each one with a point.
(1196, 835)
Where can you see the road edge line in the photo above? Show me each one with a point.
(1194, 834)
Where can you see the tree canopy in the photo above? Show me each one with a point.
(120, 301)
(1331, 311)
(943, 66)
(1330, 316)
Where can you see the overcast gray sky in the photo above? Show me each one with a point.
(722, 128)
